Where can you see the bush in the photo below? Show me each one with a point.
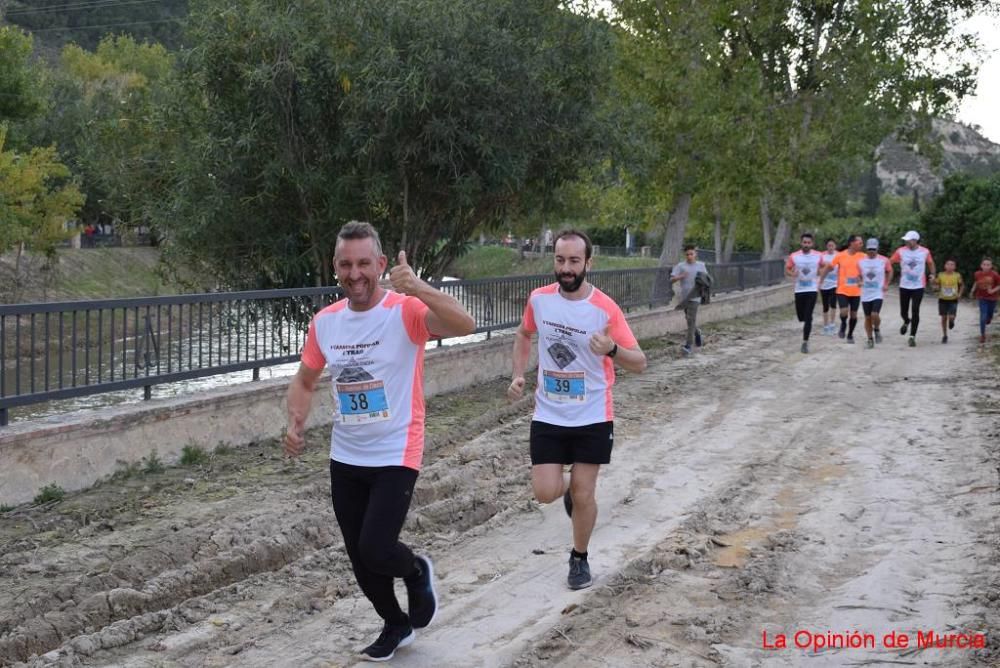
(192, 455)
(152, 464)
(964, 222)
(52, 492)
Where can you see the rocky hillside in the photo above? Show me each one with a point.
(902, 170)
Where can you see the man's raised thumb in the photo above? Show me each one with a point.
(401, 258)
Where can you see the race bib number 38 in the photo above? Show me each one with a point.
(361, 403)
(564, 386)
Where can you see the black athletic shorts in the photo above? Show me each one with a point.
(947, 307)
(829, 298)
(874, 306)
(590, 444)
(805, 302)
(846, 301)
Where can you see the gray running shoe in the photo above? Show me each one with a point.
(805, 347)
(878, 337)
(579, 573)
(912, 342)
(870, 343)
(850, 339)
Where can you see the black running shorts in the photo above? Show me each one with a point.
(947, 307)
(874, 306)
(846, 301)
(829, 298)
(590, 444)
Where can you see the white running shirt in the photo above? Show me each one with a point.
(574, 384)
(806, 266)
(830, 280)
(376, 361)
(912, 264)
(873, 277)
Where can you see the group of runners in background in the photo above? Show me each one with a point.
(858, 276)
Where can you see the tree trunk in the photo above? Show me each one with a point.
(766, 226)
(718, 231)
(673, 243)
(727, 252)
(676, 227)
(779, 248)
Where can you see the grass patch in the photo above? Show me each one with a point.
(492, 261)
(52, 492)
(4, 508)
(223, 449)
(152, 464)
(192, 455)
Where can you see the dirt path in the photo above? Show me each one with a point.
(753, 490)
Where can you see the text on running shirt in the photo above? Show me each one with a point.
(574, 384)
(806, 266)
(376, 362)
(912, 266)
(873, 277)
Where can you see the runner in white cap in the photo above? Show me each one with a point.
(876, 274)
(914, 260)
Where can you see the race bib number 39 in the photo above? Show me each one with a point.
(564, 386)
(361, 403)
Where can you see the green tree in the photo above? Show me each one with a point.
(432, 119)
(964, 221)
(20, 95)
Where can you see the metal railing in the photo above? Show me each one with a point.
(61, 350)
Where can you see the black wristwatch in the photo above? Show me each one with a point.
(613, 351)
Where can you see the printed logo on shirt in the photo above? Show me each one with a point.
(561, 354)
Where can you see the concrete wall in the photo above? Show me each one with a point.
(76, 451)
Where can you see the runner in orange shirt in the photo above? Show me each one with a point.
(848, 284)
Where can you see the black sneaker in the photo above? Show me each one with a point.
(912, 342)
(951, 324)
(579, 573)
(805, 347)
(944, 339)
(391, 639)
(850, 339)
(878, 336)
(420, 594)
(903, 328)
(568, 503)
(697, 338)
(843, 331)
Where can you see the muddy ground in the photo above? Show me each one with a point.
(753, 490)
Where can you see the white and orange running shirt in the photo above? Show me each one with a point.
(830, 280)
(376, 362)
(806, 266)
(574, 384)
(912, 266)
(873, 277)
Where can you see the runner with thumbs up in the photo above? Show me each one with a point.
(581, 334)
(373, 344)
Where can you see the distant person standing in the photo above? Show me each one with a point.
(686, 273)
(828, 290)
(876, 274)
(914, 260)
(803, 265)
(986, 285)
(950, 287)
(848, 284)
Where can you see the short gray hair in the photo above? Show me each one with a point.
(357, 229)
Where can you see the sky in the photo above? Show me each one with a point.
(983, 109)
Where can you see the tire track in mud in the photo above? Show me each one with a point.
(275, 554)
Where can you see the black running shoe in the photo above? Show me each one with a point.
(568, 503)
(850, 339)
(843, 331)
(697, 338)
(420, 594)
(903, 328)
(579, 573)
(912, 342)
(944, 339)
(951, 324)
(391, 639)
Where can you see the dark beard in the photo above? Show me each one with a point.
(571, 285)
